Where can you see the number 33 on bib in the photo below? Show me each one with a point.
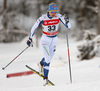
(49, 25)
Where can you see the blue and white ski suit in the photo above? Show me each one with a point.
(49, 37)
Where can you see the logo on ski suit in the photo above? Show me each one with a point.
(50, 22)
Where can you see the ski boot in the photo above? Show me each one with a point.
(46, 83)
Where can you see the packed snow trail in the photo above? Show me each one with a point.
(85, 74)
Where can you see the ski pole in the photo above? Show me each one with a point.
(15, 58)
(69, 59)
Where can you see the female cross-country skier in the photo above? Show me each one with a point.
(50, 23)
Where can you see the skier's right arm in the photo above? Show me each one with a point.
(35, 26)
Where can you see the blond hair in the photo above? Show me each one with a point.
(52, 3)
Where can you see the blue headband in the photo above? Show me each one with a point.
(52, 7)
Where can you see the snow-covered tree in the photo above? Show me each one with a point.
(90, 46)
(98, 17)
(85, 13)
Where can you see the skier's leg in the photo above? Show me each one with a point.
(46, 60)
(48, 52)
(46, 70)
(53, 48)
(40, 65)
(42, 61)
(44, 67)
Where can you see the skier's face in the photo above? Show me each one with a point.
(52, 13)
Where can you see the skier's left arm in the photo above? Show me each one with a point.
(65, 20)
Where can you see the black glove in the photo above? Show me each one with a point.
(29, 42)
(66, 18)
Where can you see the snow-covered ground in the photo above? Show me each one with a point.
(85, 74)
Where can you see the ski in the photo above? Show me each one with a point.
(50, 83)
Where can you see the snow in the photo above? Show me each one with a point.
(85, 74)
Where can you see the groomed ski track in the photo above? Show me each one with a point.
(85, 74)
